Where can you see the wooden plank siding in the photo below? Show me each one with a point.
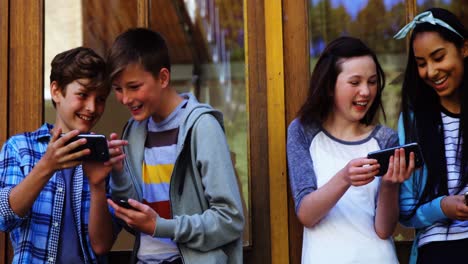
(259, 251)
(26, 67)
(24, 91)
(4, 32)
(296, 75)
(276, 132)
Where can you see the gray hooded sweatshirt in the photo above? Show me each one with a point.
(205, 202)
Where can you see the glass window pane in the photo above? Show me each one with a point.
(458, 7)
(206, 44)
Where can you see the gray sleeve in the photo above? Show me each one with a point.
(302, 177)
(386, 137)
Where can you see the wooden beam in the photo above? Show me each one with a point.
(296, 76)
(26, 66)
(276, 132)
(4, 16)
(259, 250)
(411, 10)
(142, 13)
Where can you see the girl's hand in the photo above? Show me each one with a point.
(142, 219)
(454, 207)
(397, 171)
(360, 171)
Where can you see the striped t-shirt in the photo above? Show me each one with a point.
(455, 230)
(158, 164)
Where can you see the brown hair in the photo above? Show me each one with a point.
(138, 45)
(79, 63)
(319, 101)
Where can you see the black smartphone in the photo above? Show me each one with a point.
(94, 142)
(123, 202)
(466, 198)
(383, 156)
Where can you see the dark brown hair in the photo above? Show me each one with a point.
(138, 45)
(319, 101)
(79, 63)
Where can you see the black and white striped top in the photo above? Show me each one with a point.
(454, 230)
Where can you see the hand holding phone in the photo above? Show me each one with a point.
(123, 202)
(94, 142)
(383, 156)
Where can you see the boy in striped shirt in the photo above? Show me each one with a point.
(177, 173)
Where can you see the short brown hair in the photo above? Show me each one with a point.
(79, 63)
(138, 45)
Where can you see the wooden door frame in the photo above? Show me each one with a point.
(259, 251)
(297, 72)
(4, 32)
(21, 72)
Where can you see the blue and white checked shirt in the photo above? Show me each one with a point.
(35, 237)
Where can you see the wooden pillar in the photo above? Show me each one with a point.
(296, 75)
(276, 132)
(4, 15)
(259, 250)
(26, 66)
(21, 72)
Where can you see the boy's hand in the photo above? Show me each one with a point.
(117, 165)
(98, 171)
(142, 219)
(58, 155)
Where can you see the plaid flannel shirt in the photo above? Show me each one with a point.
(35, 237)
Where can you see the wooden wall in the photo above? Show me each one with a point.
(259, 251)
(21, 64)
(3, 98)
(297, 72)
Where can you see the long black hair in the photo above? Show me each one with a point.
(421, 113)
(319, 101)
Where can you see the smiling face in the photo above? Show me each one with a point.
(355, 88)
(77, 106)
(142, 93)
(440, 65)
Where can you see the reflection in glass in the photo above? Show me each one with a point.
(374, 22)
(458, 7)
(206, 45)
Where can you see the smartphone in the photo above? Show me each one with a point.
(383, 156)
(466, 198)
(123, 202)
(94, 142)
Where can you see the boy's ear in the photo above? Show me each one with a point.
(55, 92)
(164, 77)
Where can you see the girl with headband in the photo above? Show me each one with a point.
(435, 114)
